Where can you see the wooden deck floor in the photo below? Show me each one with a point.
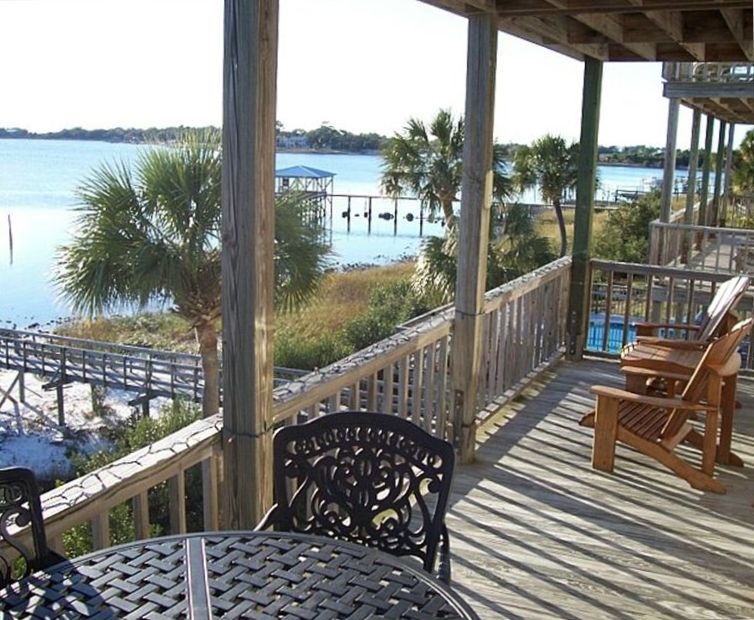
(536, 533)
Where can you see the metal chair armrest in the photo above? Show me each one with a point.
(269, 520)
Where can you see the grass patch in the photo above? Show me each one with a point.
(546, 225)
(341, 297)
(156, 330)
(309, 337)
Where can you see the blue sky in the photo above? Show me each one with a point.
(362, 65)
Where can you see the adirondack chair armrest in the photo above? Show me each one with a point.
(667, 343)
(654, 401)
(651, 372)
(649, 329)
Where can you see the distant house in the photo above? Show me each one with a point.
(292, 142)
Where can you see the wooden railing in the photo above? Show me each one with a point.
(407, 374)
(148, 373)
(524, 329)
(704, 248)
(718, 72)
(623, 294)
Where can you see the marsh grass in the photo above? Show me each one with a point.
(547, 225)
(304, 338)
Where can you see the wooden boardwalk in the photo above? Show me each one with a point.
(536, 533)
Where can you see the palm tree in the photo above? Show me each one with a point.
(153, 234)
(427, 162)
(514, 248)
(743, 168)
(552, 165)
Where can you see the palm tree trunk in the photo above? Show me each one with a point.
(447, 210)
(561, 226)
(206, 335)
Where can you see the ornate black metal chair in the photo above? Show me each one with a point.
(369, 478)
(19, 507)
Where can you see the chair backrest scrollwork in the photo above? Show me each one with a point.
(20, 507)
(369, 478)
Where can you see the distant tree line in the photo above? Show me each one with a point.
(328, 138)
(117, 134)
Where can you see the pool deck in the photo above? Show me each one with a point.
(537, 533)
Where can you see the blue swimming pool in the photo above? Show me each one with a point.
(596, 335)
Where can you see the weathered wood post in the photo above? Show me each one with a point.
(668, 174)
(578, 302)
(249, 98)
(719, 163)
(476, 199)
(704, 192)
(688, 216)
(728, 166)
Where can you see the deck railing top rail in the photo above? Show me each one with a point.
(720, 72)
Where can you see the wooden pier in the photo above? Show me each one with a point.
(148, 373)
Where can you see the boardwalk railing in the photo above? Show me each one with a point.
(407, 374)
(623, 294)
(704, 248)
(147, 372)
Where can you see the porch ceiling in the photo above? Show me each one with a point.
(627, 30)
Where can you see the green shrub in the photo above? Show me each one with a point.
(389, 306)
(625, 235)
(292, 350)
(135, 433)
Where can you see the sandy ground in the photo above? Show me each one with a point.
(29, 432)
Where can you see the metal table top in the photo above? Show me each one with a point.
(260, 575)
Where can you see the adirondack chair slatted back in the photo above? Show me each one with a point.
(716, 355)
(726, 298)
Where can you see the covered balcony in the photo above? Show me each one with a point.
(505, 375)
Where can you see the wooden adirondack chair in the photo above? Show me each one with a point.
(656, 426)
(649, 350)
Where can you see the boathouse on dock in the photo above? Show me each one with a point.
(315, 184)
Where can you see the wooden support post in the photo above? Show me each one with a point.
(719, 163)
(704, 193)
(674, 105)
(21, 387)
(688, 216)
(578, 302)
(727, 180)
(248, 192)
(61, 404)
(476, 199)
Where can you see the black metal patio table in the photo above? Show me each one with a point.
(260, 575)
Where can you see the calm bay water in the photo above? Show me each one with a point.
(38, 178)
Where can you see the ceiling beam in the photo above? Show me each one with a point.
(525, 8)
(734, 19)
(612, 28)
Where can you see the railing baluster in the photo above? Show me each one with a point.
(140, 504)
(101, 530)
(177, 508)
(387, 390)
(608, 311)
(417, 386)
(403, 374)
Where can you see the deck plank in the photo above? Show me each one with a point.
(537, 533)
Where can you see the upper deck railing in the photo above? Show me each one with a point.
(717, 72)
